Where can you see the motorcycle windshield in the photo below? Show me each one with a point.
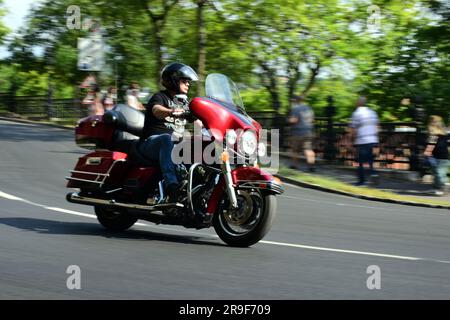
(222, 88)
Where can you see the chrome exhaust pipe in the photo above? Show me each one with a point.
(75, 197)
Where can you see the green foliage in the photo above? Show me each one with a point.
(272, 48)
(256, 99)
(3, 29)
(7, 72)
(32, 83)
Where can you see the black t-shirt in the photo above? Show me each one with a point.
(440, 150)
(153, 125)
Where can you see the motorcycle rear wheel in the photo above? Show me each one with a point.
(114, 220)
(249, 223)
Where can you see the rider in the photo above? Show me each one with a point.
(162, 123)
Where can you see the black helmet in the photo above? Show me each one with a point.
(174, 72)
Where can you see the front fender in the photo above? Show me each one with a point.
(255, 178)
(245, 178)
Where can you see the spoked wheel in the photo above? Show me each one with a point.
(249, 223)
(113, 219)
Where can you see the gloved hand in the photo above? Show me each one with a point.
(180, 113)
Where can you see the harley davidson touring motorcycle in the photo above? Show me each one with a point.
(231, 194)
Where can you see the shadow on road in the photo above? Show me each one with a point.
(78, 152)
(42, 226)
(15, 132)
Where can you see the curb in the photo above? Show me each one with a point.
(284, 179)
(37, 122)
(359, 196)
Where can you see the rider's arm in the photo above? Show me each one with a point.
(161, 112)
(292, 120)
(431, 143)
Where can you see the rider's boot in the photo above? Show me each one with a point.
(173, 191)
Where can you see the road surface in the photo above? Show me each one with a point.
(321, 246)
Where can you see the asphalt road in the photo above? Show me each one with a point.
(320, 246)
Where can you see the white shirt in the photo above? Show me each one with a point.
(133, 101)
(365, 121)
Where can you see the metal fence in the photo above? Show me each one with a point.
(400, 147)
(43, 107)
(401, 143)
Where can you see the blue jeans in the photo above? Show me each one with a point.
(440, 168)
(365, 154)
(159, 148)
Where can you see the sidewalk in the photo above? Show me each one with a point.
(402, 183)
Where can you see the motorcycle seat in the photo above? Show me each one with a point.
(129, 123)
(127, 143)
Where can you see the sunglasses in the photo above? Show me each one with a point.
(185, 80)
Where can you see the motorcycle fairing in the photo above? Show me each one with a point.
(216, 116)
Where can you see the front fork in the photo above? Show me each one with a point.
(226, 169)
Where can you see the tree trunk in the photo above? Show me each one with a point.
(276, 105)
(201, 45)
(294, 76)
(158, 52)
(271, 86)
(159, 21)
(312, 78)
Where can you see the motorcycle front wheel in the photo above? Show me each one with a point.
(249, 223)
(113, 219)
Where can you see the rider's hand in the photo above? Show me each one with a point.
(179, 112)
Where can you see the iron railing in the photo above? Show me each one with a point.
(401, 143)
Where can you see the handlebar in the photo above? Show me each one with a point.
(182, 114)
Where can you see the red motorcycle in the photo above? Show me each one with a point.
(230, 193)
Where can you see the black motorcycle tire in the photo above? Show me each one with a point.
(114, 220)
(257, 233)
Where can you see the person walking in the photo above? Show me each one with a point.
(132, 97)
(110, 98)
(93, 100)
(437, 153)
(364, 127)
(301, 120)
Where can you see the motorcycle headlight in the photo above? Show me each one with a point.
(231, 137)
(262, 149)
(248, 143)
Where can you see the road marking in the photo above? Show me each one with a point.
(284, 244)
(10, 196)
(343, 251)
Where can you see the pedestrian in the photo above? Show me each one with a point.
(133, 97)
(301, 120)
(364, 127)
(437, 153)
(93, 100)
(110, 98)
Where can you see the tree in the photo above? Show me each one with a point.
(158, 14)
(289, 43)
(410, 59)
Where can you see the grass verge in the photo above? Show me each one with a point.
(334, 184)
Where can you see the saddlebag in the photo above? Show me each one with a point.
(98, 170)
